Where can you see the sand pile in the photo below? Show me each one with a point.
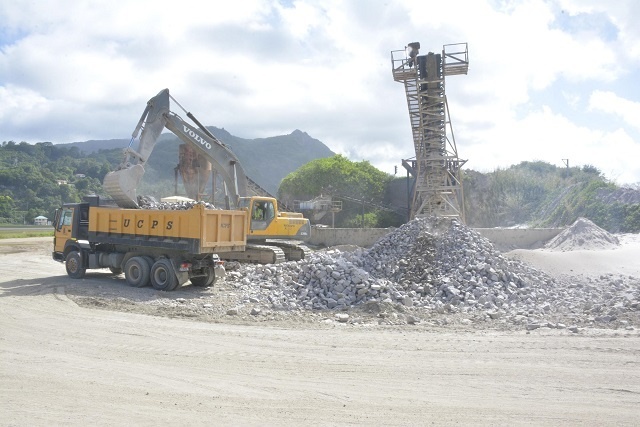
(583, 235)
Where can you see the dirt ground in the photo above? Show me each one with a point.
(95, 351)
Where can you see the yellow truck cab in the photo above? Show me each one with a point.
(70, 232)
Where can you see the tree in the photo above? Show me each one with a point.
(6, 206)
(82, 184)
(339, 177)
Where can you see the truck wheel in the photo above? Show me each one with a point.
(136, 271)
(163, 278)
(74, 265)
(204, 281)
(149, 260)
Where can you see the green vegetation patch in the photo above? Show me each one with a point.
(543, 195)
(8, 233)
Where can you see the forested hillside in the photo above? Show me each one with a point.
(360, 187)
(541, 194)
(35, 179)
(265, 160)
(535, 194)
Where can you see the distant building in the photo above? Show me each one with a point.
(80, 175)
(41, 220)
(62, 182)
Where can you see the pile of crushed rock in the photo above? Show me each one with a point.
(583, 235)
(149, 202)
(619, 195)
(435, 265)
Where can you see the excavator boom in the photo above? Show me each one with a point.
(122, 184)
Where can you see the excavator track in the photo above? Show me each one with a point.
(256, 254)
(293, 251)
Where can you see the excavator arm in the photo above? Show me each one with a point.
(122, 184)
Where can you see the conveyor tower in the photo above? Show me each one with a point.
(435, 170)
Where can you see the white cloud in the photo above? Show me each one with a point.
(610, 103)
(259, 68)
(302, 18)
(14, 99)
(544, 135)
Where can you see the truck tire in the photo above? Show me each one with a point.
(74, 265)
(163, 278)
(136, 271)
(204, 281)
(149, 260)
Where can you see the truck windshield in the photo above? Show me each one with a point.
(65, 218)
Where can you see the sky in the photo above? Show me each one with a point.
(548, 79)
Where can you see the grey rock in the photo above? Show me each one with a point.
(437, 265)
(494, 314)
(412, 320)
(342, 317)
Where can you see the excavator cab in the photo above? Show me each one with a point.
(266, 222)
(262, 213)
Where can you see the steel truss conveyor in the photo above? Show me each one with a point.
(435, 171)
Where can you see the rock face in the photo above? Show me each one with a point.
(585, 235)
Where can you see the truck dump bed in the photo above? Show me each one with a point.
(197, 230)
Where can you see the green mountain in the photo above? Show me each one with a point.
(265, 160)
(35, 179)
(539, 194)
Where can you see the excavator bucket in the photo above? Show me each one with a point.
(121, 186)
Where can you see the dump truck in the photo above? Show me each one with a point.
(271, 233)
(159, 247)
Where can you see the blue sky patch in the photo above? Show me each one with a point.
(9, 37)
(596, 23)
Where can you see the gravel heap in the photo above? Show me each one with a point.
(583, 234)
(435, 265)
(149, 202)
(619, 195)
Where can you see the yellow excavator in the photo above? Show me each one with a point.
(271, 234)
